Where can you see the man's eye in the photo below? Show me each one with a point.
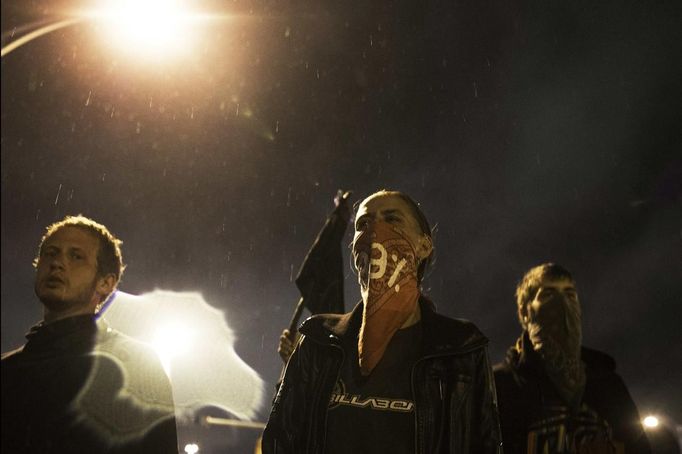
(545, 294)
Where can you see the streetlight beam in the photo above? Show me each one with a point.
(147, 27)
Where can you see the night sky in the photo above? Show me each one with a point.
(544, 131)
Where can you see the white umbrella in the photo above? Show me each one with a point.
(196, 347)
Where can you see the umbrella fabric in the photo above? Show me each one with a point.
(196, 346)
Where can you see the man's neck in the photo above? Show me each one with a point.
(414, 317)
(52, 316)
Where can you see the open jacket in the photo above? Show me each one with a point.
(452, 386)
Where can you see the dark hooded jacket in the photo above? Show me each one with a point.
(525, 393)
(453, 391)
(78, 386)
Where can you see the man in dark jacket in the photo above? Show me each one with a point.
(556, 396)
(77, 386)
(392, 375)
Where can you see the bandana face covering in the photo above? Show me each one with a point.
(387, 269)
(555, 332)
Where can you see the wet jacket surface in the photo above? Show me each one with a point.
(523, 387)
(452, 387)
(79, 387)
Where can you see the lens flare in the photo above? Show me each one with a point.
(151, 28)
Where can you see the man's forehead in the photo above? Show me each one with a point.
(72, 235)
(557, 283)
(382, 202)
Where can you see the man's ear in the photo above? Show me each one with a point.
(425, 247)
(523, 315)
(105, 285)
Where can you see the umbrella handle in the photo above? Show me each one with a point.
(293, 325)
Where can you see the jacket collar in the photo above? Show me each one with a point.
(441, 335)
(77, 332)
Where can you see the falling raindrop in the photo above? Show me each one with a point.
(56, 200)
(87, 101)
(475, 90)
(277, 126)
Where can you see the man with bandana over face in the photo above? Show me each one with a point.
(391, 376)
(556, 396)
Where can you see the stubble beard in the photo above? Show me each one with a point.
(56, 304)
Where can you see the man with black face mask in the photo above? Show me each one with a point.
(554, 395)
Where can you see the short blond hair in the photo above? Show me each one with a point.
(109, 256)
(529, 285)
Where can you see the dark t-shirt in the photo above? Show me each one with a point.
(375, 414)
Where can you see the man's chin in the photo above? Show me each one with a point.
(54, 304)
(52, 299)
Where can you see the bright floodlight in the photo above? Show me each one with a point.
(150, 27)
(192, 448)
(650, 421)
(169, 341)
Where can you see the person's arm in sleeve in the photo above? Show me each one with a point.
(281, 435)
(486, 435)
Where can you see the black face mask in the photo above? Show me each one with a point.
(556, 323)
(554, 328)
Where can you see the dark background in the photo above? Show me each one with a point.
(543, 131)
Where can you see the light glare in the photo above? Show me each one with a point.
(169, 341)
(191, 448)
(651, 421)
(152, 28)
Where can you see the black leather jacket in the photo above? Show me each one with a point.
(452, 385)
